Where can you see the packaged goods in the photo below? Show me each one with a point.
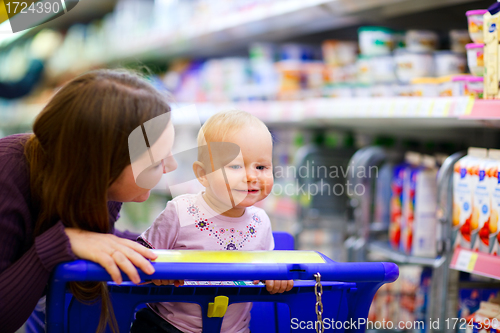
(458, 40)
(465, 218)
(339, 53)
(421, 40)
(383, 69)
(425, 87)
(419, 206)
(364, 70)
(482, 207)
(475, 86)
(493, 223)
(411, 65)
(490, 29)
(396, 208)
(374, 41)
(475, 23)
(459, 83)
(475, 59)
(449, 63)
(413, 161)
(445, 86)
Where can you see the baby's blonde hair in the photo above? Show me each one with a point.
(221, 125)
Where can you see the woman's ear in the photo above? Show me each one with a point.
(200, 173)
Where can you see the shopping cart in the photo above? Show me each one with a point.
(347, 291)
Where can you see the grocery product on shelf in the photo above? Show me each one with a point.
(445, 86)
(396, 206)
(459, 83)
(425, 222)
(475, 86)
(482, 207)
(411, 65)
(419, 222)
(491, 41)
(483, 317)
(492, 174)
(425, 87)
(458, 40)
(421, 40)
(475, 23)
(374, 41)
(465, 217)
(475, 58)
(449, 63)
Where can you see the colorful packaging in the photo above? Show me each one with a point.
(475, 58)
(459, 83)
(374, 41)
(445, 87)
(482, 319)
(425, 220)
(396, 208)
(475, 22)
(409, 189)
(465, 218)
(421, 40)
(475, 86)
(491, 24)
(482, 206)
(494, 180)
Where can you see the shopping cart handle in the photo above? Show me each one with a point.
(82, 270)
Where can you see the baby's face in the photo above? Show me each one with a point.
(249, 175)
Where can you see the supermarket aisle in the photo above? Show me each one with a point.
(384, 117)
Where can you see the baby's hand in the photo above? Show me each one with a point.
(168, 282)
(277, 286)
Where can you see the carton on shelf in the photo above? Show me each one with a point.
(465, 177)
(482, 207)
(494, 181)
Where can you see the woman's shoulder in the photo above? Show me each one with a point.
(13, 145)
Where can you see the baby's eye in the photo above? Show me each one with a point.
(235, 167)
(261, 167)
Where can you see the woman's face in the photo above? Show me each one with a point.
(125, 188)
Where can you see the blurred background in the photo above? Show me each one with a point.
(343, 85)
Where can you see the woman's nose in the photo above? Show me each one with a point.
(169, 164)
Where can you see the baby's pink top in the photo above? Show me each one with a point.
(188, 223)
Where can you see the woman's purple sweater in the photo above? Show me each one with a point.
(26, 262)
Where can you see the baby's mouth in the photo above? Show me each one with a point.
(248, 191)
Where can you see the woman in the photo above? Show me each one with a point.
(61, 188)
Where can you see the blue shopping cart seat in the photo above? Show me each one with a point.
(348, 289)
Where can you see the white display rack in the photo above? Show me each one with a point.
(413, 112)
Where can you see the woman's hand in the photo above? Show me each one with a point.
(112, 253)
(168, 282)
(277, 286)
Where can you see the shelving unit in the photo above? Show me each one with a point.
(286, 20)
(476, 263)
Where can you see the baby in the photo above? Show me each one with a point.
(235, 167)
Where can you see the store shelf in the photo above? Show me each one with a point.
(475, 262)
(395, 113)
(384, 250)
(271, 21)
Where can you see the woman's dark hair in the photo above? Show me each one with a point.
(80, 147)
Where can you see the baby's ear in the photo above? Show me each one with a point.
(200, 173)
